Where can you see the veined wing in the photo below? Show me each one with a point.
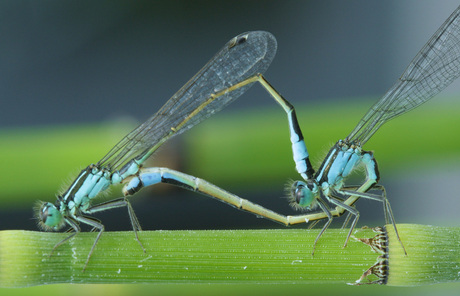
(242, 57)
(433, 69)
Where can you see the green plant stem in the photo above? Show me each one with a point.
(433, 255)
(228, 256)
(224, 256)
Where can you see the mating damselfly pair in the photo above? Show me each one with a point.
(231, 72)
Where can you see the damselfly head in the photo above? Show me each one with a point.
(302, 195)
(48, 216)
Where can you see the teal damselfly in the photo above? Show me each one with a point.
(435, 66)
(230, 73)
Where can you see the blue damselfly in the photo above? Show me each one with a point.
(231, 72)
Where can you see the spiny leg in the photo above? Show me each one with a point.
(382, 198)
(96, 224)
(386, 205)
(74, 227)
(132, 217)
(388, 212)
(389, 215)
(349, 215)
(313, 224)
(347, 220)
(337, 212)
(325, 209)
(118, 203)
(350, 209)
(346, 190)
(352, 199)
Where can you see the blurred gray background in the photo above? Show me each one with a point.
(67, 62)
(71, 62)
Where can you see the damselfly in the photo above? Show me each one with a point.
(224, 78)
(433, 69)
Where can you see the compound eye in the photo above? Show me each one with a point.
(49, 217)
(303, 195)
(298, 192)
(44, 212)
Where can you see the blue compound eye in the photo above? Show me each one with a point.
(299, 193)
(304, 194)
(49, 217)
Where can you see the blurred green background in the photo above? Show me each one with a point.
(77, 76)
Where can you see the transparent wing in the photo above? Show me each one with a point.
(433, 69)
(242, 57)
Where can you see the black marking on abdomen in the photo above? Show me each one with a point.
(177, 183)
